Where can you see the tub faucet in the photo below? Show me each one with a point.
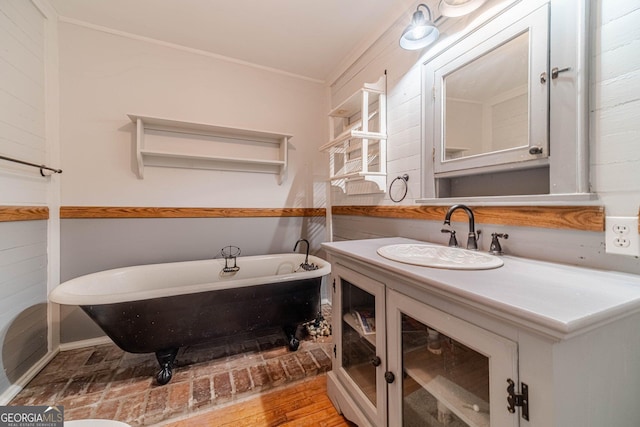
(472, 242)
(305, 265)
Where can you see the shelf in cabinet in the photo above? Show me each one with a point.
(349, 320)
(426, 369)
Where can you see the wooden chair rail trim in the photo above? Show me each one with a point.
(23, 213)
(585, 218)
(72, 212)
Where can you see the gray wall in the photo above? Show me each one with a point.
(90, 245)
(23, 296)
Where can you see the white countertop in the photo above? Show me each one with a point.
(559, 299)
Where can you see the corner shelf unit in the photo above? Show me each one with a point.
(358, 144)
(179, 144)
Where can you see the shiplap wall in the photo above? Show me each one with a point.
(23, 296)
(25, 56)
(615, 106)
(614, 140)
(22, 89)
(614, 119)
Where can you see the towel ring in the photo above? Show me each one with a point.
(404, 178)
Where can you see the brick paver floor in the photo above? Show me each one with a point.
(105, 382)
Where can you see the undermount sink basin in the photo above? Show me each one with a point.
(440, 257)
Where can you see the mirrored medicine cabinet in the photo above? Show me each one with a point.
(505, 106)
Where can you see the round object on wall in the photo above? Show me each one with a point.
(399, 192)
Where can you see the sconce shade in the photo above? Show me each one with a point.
(456, 8)
(420, 33)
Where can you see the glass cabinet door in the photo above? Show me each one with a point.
(361, 347)
(451, 370)
(358, 337)
(447, 383)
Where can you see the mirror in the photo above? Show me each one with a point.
(486, 102)
(490, 104)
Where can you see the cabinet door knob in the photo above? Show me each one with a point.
(543, 77)
(389, 377)
(375, 361)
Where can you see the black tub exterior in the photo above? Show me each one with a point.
(162, 325)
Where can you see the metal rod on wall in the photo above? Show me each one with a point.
(41, 167)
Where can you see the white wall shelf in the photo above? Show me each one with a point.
(357, 146)
(179, 144)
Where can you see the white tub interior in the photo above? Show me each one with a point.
(161, 280)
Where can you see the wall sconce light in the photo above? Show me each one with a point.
(421, 32)
(456, 8)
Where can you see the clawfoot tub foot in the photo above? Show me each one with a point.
(292, 336)
(165, 359)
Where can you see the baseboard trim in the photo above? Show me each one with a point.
(17, 387)
(74, 345)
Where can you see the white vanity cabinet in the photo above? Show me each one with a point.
(434, 370)
(528, 344)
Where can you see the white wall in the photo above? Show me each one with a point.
(28, 249)
(105, 76)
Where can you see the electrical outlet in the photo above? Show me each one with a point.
(621, 235)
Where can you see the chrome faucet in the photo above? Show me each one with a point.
(472, 242)
(305, 265)
(496, 248)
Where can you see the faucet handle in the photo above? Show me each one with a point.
(496, 248)
(453, 241)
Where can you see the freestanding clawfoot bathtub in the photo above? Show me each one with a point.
(161, 307)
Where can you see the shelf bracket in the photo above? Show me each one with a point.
(518, 399)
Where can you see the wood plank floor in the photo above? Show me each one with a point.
(302, 404)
